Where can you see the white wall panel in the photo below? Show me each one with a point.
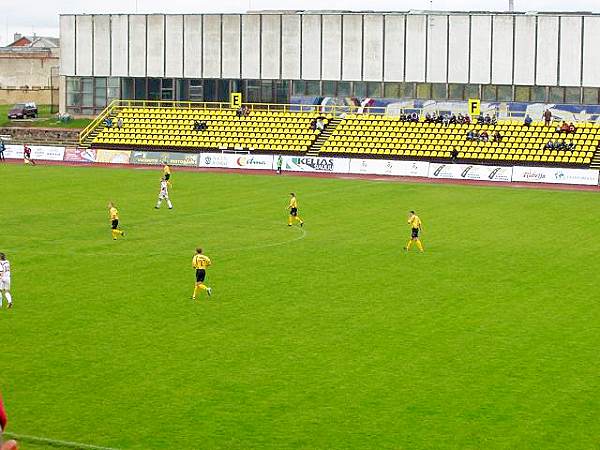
(137, 46)
(415, 47)
(174, 46)
(67, 45)
(192, 48)
(83, 61)
(458, 49)
(311, 47)
(352, 47)
(101, 46)
(231, 65)
(437, 49)
(570, 51)
(251, 46)
(394, 48)
(481, 49)
(373, 47)
(502, 50)
(211, 46)
(156, 46)
(547, 50)
(525, 50)
(270, 46)
(591, 55)
(290, 47)
(332, 47)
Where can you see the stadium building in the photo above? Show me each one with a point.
(305, 56)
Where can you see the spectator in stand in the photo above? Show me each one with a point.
(120, 123)
(239, 112)
(549, 146)
(246, 111)
(497, 136)
(313, 124)
(564, 128)
(572, 128)
(480, 119)
(528, 120)
(414, 117)
(468, 120)
(428, 118)
(200, 126)
(108, 123)
(453, 119)
(488, 119)
(485, 137)
(454, 154)
(547, 117)
(2, 148)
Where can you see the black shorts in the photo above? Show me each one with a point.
(167, 176)
(200, 275)
(415, 233)
(294, 212)
(114, 224)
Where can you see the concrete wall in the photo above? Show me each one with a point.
(39, 96)
(18, 70)
(479, 48)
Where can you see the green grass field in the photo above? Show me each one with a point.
(326, 337)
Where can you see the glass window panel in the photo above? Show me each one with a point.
(153, 88)
(488, 92)
(282, 88)
(538, 94)
(391, 90)
(167, 95)
(438, 91)
(556, 94)
(74, 84)
(87, 85)
(455, 91)
(140, 88)
(504, 93)
(267, 91)
(87, 99)
(114, 82)
(329, 88)
(100, 100)
(100, 81)
(167, 83)
(360, 88)
(521, 93)
(471, 91)
(196, 83)
(127, 86)
(374, 89)
(73, 99)
(313, 88)
(590, 96)
(299, 87)
(344, 89)
(113, 93)
(573, 95)
(424, 91)
(407, 90)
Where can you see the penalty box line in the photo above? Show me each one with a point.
(54, 442)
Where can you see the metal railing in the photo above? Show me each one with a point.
(393, 110)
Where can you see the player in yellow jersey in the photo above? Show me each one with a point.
(293, 207)
(166, 171)
(416, 226)
(200, 262)
(113, 214)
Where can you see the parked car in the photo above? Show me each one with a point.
(23, 111)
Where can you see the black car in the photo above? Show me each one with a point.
(23, 111)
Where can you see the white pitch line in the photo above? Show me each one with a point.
(55, 442)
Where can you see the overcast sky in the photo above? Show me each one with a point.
(41, 16)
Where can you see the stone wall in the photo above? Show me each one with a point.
(64, 136)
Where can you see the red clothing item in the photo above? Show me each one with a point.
(3, 418)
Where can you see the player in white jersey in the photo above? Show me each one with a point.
(5, 280)
(164, 193)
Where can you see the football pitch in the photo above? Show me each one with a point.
(322, 337)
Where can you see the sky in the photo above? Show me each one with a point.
(41, 16)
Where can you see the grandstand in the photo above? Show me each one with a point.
(280, 129)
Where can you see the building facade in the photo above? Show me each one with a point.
(272, 56)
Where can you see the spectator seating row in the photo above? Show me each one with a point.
(174, 128)
(358, 135)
